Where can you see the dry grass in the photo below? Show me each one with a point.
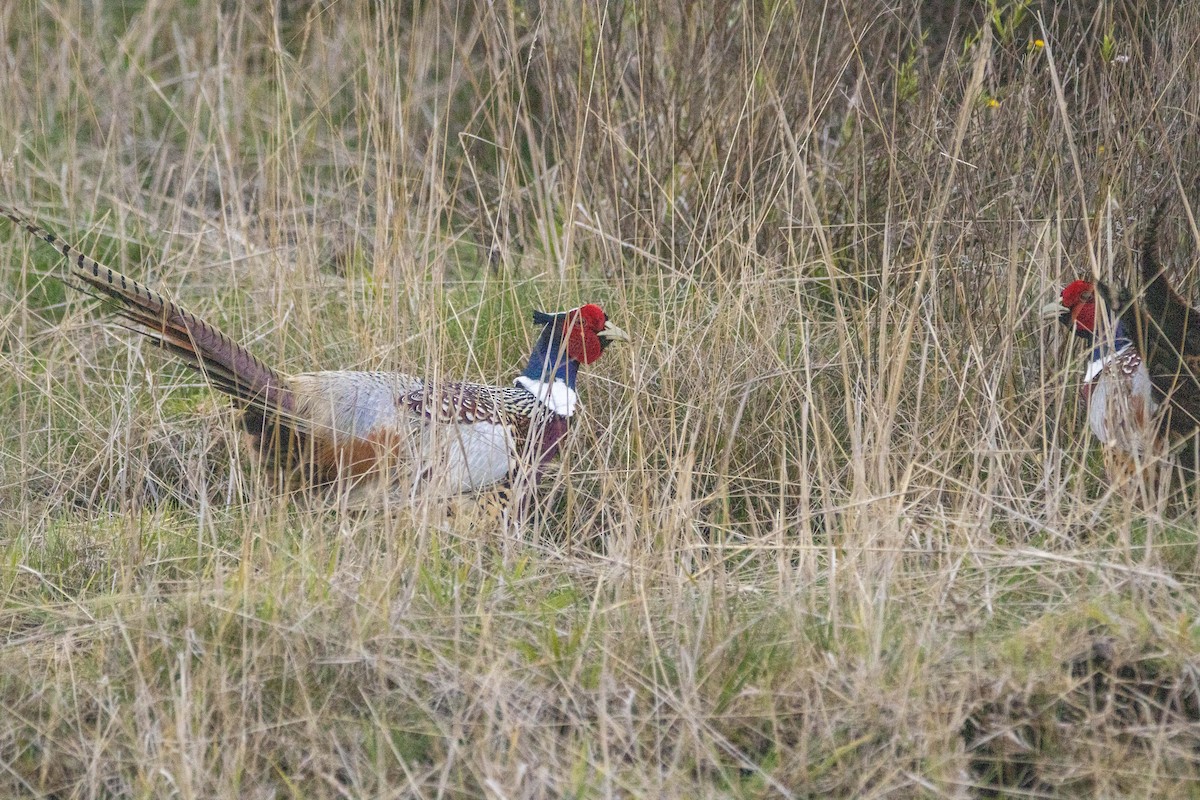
(831, 527)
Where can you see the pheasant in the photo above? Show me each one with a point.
(361, 432)
(1121, 408)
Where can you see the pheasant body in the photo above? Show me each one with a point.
(380, 421)
(1117, 390)
(363, 431)
(1122, 411)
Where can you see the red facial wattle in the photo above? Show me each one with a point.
(1079, 298)
(585, 323)
(1084, 315)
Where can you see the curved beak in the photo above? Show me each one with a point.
(1053, 310)
(613, 333)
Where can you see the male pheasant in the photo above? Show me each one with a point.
(1121, 408)
(360, 432)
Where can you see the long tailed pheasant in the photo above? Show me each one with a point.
(1121, 408)
(365, 431)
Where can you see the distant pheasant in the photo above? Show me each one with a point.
(1151, 366)
(1121, 408)
(362, 432)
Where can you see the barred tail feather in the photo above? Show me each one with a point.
(229, 366)
(261, 392)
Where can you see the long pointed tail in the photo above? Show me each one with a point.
(1168, 335)
(230, 367)
(1175, 320)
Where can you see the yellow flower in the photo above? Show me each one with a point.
(993, 102)
(1038, 44)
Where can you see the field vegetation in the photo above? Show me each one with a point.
(832, 526)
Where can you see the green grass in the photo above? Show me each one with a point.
(833, 526)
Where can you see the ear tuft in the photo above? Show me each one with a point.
(543, 318)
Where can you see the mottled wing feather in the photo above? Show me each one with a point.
(535, 430)
(456, 402)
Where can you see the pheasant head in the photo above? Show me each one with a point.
(1076, 309)
(568, 339)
